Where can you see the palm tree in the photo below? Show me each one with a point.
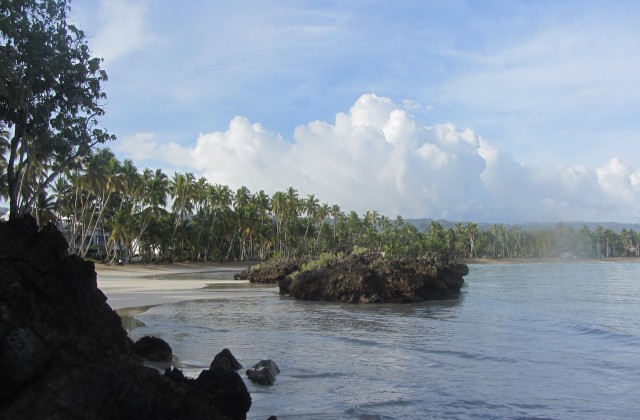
(4, 148)
(182, 190)
(336, 215)
(278, 207)
(310, 207)
(155, 188)
(472, 232)
(262, 204)
(321, 220)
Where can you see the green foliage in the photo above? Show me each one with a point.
(103, 197)
(256, 267)
(359, 250)
(323, 260)
(50, 97)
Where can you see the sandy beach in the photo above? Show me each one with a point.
(145, 285)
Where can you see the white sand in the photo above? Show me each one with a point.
(136, 285)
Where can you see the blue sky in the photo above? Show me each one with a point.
(499, 111)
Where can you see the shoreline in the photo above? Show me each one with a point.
(133, 288)
(555, 260)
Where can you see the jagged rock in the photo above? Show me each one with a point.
(154, 349)
(228, 389)
(225, 360)
(271, 271)
(64, 353)
(359, 278)
(263, 372)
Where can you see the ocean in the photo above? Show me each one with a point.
(523, 341)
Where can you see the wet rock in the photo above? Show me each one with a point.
(271, 271)
(229, 392)
(359, 278)
(154, 349)
(64, 353)
(263, 372)
(225, 360)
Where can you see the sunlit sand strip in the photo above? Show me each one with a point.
(133, 286)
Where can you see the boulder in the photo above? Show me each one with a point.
(263, 372)
(64, 353)
(229, 391)
(225, 360)
(361, 278)
(153, 349)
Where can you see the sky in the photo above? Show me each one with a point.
(487, 111)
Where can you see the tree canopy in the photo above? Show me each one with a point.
(111, 210)
(50, 98)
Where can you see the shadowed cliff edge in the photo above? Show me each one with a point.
(64, 353)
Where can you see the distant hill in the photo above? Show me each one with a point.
(423, 224)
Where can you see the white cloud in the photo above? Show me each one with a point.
(377, 156)
(120, 27)
(144, 148)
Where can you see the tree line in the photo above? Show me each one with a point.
(148, 215)
(53, 166)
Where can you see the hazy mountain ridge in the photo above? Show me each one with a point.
(423, 224)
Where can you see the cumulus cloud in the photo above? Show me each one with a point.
(121, 27)
(378, 156)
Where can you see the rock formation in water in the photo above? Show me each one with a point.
(271, 271)
(64, 353)
(359, 278)
(225, 360)
(264, 372)
(153, 349)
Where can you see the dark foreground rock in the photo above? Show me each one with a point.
(372, 279)
(225, 360)
(271, 271)
(154, 349)
(64, 353)
(263, 372)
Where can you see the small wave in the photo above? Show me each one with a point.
(317, 375)
(370, 411)
(471, 356)
(603, 332)
(360, 341)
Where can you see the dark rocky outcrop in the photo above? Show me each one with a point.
(154, 349)
(271, 271)
(372, 279)
(263, 372)
(225, 360)
(64, 353)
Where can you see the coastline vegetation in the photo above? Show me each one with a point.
(149, 216)
(53, 165)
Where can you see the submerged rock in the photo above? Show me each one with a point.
(372, 279)
(264, 372)
(64, 353)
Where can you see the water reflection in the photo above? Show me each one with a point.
(513, 345)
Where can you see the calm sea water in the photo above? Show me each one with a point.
(524, 341)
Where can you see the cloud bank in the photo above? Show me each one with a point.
(378, 156)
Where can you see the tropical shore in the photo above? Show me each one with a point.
(145, 285)
(567, 260)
